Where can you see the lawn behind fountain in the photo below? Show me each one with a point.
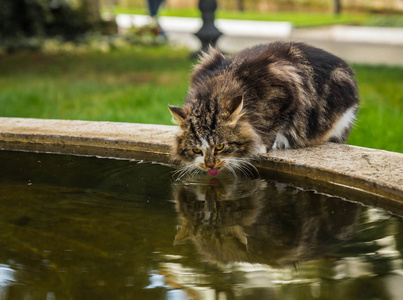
(137, 84)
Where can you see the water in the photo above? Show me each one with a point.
(89, 228)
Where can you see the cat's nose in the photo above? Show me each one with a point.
(209, 162)
(210, 165)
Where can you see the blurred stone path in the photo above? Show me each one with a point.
(356, 44)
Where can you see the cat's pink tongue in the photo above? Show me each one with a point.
(213, 172)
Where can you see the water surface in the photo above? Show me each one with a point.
(89, 228)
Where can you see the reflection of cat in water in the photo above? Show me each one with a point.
(258, 222)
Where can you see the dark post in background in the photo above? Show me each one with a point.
(208, 34)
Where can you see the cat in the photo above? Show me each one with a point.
(272, 96)
(256, 221)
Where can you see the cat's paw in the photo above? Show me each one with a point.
(279, 145)
(276, 146)
(281, 142)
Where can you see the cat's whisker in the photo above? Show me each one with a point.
(194, 172)
(244, 170)
(188, 170)
(241, 164)
(249, 164)
(179, 170)
(248, 173)
(181, 174)
(184, 170)
(231, 169)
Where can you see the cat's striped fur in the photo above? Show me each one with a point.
(278, 95)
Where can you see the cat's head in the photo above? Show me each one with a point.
(215, 134)
(215, 131)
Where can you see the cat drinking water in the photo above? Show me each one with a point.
(273, 96)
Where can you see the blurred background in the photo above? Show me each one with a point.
(126, 60)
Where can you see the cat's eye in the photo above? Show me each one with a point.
(219, 147)
(196, 151)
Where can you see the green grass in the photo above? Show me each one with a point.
(137, 85)
(128, 86)
(380, 118)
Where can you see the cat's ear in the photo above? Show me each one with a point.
(234, 107)
(178, 114)
(207, 63)
(182, 235)
(241, 236)
(210, 57)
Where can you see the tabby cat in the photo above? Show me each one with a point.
(258, 221)
(274, 96)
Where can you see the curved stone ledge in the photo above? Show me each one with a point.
(377, 172)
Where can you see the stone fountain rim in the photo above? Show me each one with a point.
(373, 171)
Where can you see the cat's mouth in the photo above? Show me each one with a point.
(213, 172)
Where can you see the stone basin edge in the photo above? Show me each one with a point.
(374, 171)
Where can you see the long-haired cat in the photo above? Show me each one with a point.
(258, 221)
(278, 95)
